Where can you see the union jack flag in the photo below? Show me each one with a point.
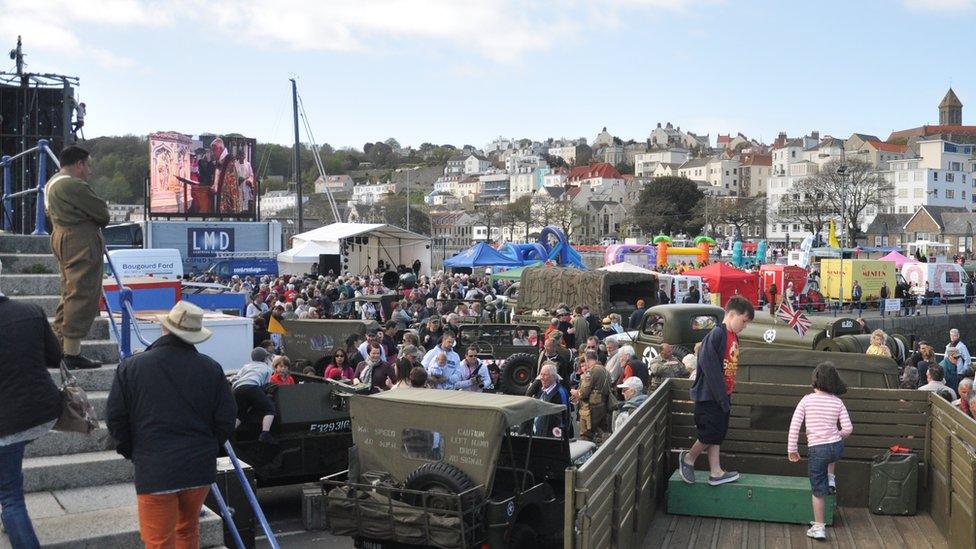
(794, 318)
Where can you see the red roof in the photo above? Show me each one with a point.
(723, 138)
(889, 147)
(593, 171)
(922, 131)
(572, 192)
(757, 160)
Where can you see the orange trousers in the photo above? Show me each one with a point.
(171, 521)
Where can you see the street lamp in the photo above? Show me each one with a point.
(842, 171)
(407, 171)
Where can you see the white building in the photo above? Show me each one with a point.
(527, 182)
(371, 194)
(476, 164)
(335, 183)
(646, 163)
(273, 202)
(942, 175)
(568, 153)
(499, 144)
(517, 163)
(121, 213)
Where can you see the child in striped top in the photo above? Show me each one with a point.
(821, 411)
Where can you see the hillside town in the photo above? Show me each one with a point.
(509, 189)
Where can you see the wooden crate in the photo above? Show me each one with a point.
(768, 498)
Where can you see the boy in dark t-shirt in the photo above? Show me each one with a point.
(718, 363)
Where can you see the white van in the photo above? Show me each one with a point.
(156, 262)
(682, 284)
(945, 279)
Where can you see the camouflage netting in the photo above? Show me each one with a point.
(546, 287)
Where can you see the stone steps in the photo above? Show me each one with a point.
(96, 379)
(58, 443)
(16, 285)
(79, 495)
(100, 517)
(21, 263)
(46, 473)
(24, 244)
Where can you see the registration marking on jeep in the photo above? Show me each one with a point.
(331, 427)
(769, 335)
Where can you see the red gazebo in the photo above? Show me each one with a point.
(727, 281)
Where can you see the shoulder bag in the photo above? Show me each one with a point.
(77, 414)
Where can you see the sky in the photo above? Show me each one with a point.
(467, 71)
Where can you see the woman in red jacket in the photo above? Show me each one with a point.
(340, 368)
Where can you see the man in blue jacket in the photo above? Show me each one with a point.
(718, 362)
(170, 409)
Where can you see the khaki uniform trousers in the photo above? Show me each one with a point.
(78, 249)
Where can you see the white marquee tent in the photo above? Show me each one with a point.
(358, 247)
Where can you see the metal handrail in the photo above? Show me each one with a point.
(251, 498)
(40, 218)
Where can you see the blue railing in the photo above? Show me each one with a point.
(127, 325)
(40, 220)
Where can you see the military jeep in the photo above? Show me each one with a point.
(448, 469)
(312, 429)
(511, 362)
(682, 325)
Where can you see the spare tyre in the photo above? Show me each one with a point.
(442, 483)
(517, 373)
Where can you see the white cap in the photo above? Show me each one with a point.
(632, 383)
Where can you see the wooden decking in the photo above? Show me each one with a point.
(854, 528)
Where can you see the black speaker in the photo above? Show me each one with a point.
(329, 262)
(391, 279)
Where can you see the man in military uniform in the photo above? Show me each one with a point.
(665, 365)
(77, 215)
(593, 397)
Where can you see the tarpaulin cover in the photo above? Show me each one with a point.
(462, 429)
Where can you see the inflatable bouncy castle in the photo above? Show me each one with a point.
(668, 254)
(553, 246)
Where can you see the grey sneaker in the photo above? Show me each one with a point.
(728, 476)
(687, 471)
(818, 532)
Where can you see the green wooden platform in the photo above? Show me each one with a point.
(753, 497)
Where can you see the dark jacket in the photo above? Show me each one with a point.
(28, 348)
(546, 424)
(710, 381)
(637, 368)
(170, 409)
(635, 318)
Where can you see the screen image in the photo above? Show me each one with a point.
(206, 176)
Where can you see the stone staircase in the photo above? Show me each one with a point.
(79, 495)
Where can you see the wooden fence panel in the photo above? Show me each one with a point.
(952, 483)
(617, 488)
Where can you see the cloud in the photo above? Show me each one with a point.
(501, 31)
(51, 26)
(947, 6)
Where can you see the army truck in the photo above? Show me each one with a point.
(604, 292)
(448, 469)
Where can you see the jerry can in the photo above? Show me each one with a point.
(893, 488)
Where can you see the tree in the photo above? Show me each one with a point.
(736, 212)
(555, 161)
(804, 204)
(394, 211)
(669, 204)
(842, 188)
(518, 211)
(491, 216)
(624, 168)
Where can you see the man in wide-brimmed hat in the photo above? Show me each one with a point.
(170, 409)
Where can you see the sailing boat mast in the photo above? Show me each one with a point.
(298, 157)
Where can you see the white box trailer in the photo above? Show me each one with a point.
(943, 279)
(200, 243)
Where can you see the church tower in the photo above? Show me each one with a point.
(950, 110)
